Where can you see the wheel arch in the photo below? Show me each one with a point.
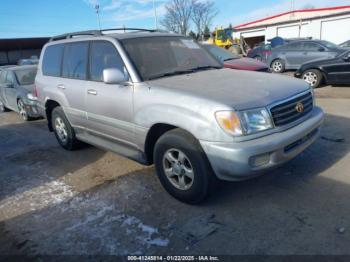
(50, 105)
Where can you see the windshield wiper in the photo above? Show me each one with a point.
(172, 73)
(205, 68)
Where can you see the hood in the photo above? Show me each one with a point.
(234, 88)
(245, 63)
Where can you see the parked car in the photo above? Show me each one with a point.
(296, 53)
(234, 61)
(328, 71)
(345, 45)
(29, 61)
(260, 52)
(161, 98)
(16, 91)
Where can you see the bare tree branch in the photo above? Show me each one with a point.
(203, 15)
(178, 15)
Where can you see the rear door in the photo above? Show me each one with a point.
(313, 51)
(73, 82)
(293, 55)
(109, 106)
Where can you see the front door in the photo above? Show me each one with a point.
(339, 71)
(10, 93)
(109, 106)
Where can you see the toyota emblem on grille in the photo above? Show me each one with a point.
(299, 107)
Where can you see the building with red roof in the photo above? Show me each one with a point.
(332, 24)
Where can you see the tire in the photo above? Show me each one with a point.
(313, 77)
(277, 66)
(64, 132)
(23, 111)
(178, 156)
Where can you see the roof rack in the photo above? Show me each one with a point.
(100, 32)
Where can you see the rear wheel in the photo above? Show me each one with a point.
(182, 167)
(277, 66)
(22, 110)
(313, 77)
(64, 132)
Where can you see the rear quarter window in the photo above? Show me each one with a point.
(52, 60)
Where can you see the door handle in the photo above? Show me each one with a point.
(61, 87)
(92, 92)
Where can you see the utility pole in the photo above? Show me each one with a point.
(97, 8)
(155, 15)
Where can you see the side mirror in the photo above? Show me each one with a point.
(114, 76)
(321, 49)
(347, 57)
(9, 85)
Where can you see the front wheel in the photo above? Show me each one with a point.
(182, 167)
(277, 66)
(313, 77)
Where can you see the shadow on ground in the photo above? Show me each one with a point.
(301, 208)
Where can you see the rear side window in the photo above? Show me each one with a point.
(52, 60)
(311, 46)
(75, 60)
(294, 46)
(103, 55)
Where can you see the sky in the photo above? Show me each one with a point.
(32, 18)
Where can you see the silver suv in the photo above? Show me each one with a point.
(161, 98)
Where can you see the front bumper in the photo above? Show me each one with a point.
(236, 161)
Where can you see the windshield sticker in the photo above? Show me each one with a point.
(190, 44)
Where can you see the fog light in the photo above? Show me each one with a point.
(260, 160)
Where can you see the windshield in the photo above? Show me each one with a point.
(26, 76)
(329, 44)
(167, 55)
(220, 53)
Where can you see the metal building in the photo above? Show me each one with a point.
(332, 24)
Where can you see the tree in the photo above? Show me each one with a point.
(178, 15)
(203, 15)
(193, 35)
(206, 33)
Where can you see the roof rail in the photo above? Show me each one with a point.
(71, 35)
(100, 32)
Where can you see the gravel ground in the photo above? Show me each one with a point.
(94, 202)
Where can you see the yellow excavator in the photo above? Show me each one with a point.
(222, 38)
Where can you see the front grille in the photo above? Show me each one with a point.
(287, 112)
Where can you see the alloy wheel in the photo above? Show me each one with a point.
(178, 169)
(61, 130)
(277, 66)
(310, 78)
(22, 111)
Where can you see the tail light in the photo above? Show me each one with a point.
(35, 91)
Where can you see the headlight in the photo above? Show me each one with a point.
(32, 97)
(244, 122)
(256, 120)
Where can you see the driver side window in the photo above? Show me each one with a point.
(103, 55)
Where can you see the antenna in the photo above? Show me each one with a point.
(97, 8)
(155, 15)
